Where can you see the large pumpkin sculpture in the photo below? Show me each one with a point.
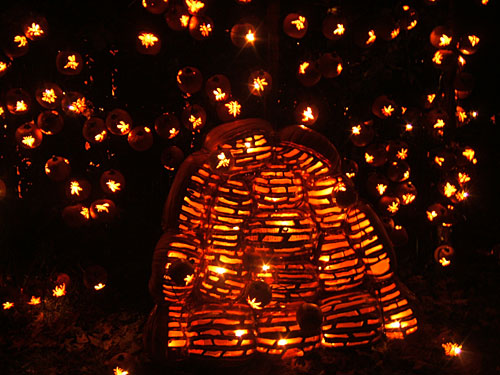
(254, 230)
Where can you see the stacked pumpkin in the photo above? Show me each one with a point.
(263, 252)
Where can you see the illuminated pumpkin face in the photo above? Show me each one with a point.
(261, 215)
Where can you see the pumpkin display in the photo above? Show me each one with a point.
(265, 249)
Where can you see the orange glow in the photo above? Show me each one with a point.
(173, 133)
(259, 83)
(339, 186)
(195, 121)
(430, 98)
(205, 29)
(3, 66)
(282, 342)
(21, 106)
(339, 68)
(49, 96)
(113, 185)
(219, 94)
(387, 110)
(307, 115)
(406, 8)
(250, 36)
(78, 106)
(393, 325)
(100, 137)
(461, 195)
(393, 207)
(381, 188)
(266, 267)
(444, 262)
(474, 40)
(148, 39)
(449, 190)
(408, 198)
(484, 2)
(75, 188)
(72, 63)
(412, 25)
(189, 279)
(184, 20)
(461, 60)
(462, 115)
(35, 301)
(123, 127)
(59, 290)
(444, 40)
(220, 270)
(340, 30)
(303, 67)
(194, 6)
(371, 37)
(85, 213)
(395, 33)
(474, 114)
(240, 332)
(408, 127)
(34, 30)
(2, 111)
(102, 207)
(451, 349)
(21, 40)
(233, 108)
(406, 175)
(356, 130)
(223, 161)
(299, 23)
(119, 371)
(438, 58)
(402, 154)
(99, 286)
(254, 304)
(469, 154)
(8, 305)
(369, 158)
(431, 215)
(28, 140)
(439, 124)
(463, 177)
(439, 161)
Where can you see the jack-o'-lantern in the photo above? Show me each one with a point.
(376, 154)
(16, 44)
(463, 84)
(218, 88)
(365, 35)
(306, 113)
(436, 213)
(295, 25)
(148, 42)
(408, 17)
(468, 44)
(167, 126)
(75, 104)
(406, 192)
(377, 185)
(308, 73)
(387, 28)
(49, 95)
(444, 59)
(35, 28)
(201, 27)
(383, 107)
(389, 205)
(334, 26)
(69, 63)
(177, 17)
(398, 171)
(103, 210)
(119, 122)
(362, 133)
(5, 64)
(259, 82)
(112, 182)
(242, 34)
(228, 110)
(78, 189)
(262, 215)
(442, 37)
(50, 122)
(95, 277)
(189, 80)
(140, 138)
(57, 168)
(18, 101)
(28, 136)
(443, 254)
(94, 130)
(193, 117)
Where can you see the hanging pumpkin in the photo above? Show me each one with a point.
(50, 122)
(18, 101)
(148, 42)
(112, 182)
(57, 168)
(189, 80)
(295, 25)
(69, 63)
(49, 95)
(140, 138)
(119, 122)
(218, 88)
(103, 210)
(28, 136)
(94, 130)
(76, 215)
(167, 126)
